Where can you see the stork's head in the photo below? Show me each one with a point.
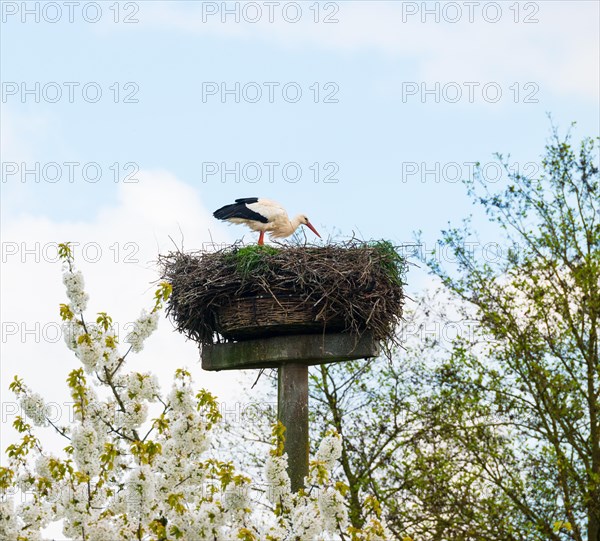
(304, 220)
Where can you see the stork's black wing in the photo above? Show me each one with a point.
(240, 210)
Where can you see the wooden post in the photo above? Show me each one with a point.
(292, 411)
(291, 355)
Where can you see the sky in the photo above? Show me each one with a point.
(125, 124)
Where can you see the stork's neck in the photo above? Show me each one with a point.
(295, 222)
(285, 227)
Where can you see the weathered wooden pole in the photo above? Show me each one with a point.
(291, 355)
(292, 411)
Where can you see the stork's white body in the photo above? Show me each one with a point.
(278, 223)
(263, 215)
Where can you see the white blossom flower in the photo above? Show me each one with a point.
(209, 519)
(87, 448)
(333, 510)
(142, 386)
(376, 525)
(109, 357)
(34, 407)
(75, 291)
(134, 416)
(42, 466)
(330, 451)
(36, 514)
(89, 354)
(77, 513)
(236, 497)
(71, 331)
(306, 523)
(275, 532)
(25, 481)
(101, 531)
(181, 401)
(9, 527)
(143, 327)
(278, 479)
(140, 492)
(88, 343)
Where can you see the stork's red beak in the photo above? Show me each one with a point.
(312, 228)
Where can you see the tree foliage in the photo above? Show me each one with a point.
(533, 390)
(498, 437)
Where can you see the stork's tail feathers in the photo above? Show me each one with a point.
(228, 211)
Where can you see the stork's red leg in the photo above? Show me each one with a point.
(261, 239)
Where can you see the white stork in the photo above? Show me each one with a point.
(263, 215)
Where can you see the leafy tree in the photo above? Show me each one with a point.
(498, 437)
(531, 394)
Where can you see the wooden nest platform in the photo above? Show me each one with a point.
(244, 293)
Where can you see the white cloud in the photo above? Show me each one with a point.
(559, 51)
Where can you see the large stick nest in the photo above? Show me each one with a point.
(349, 287)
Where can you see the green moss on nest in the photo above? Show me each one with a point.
(251, 259)
(390, 260)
